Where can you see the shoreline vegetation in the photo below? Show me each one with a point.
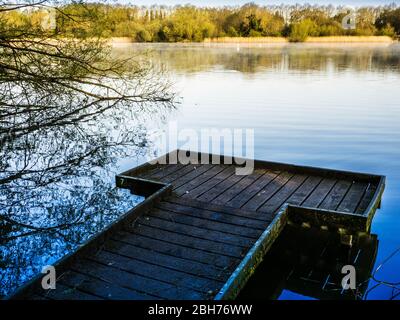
(188, 23)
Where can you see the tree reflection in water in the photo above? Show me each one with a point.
(58, 188)
(68, 114)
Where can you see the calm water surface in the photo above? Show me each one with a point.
(335, 106)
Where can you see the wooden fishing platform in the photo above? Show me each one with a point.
(202, 229)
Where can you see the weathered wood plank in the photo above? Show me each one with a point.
(192, 175)
(239, 200)
(206, 223)
(238, 187)
(180, 173)
(156, 272)
(335, 196)
(105, 290)
(366, 199)
(189, 241)
(194, 231)
(214, 181)
(197, 181)
(267, 192)
(63, 292)
(279, 198)
(172, 256)
(165, 170)
(353, 197)
(319, 194)
(218, 189)
(136, 282)
(193, 203)
(304, 191)
(176, 250)
(215, 215)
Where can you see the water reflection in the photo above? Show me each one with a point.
(57, 183)
(307, 264)
(257, 57)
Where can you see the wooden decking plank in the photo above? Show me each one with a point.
(180, 173)
(150, 170)
(335, 196)
(366, 199)
(319, 194)
(206, 223)
(198, 257)
(63, 292)
(214, 215)
(244, 196)
(218, 189)
(279, 198)
(164, 223)
(166, 169)
(105, 290)
(193, 203)
(189, 241)
(267, 192)
(192, 175)
(194, 183)
(156, 272)
(305, 190)
(238, 187)
(133, 281)
(353, 197)
(171, 259)
(209, 184)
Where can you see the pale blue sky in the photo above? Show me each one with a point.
(261, 2)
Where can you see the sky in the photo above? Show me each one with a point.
(261, 2)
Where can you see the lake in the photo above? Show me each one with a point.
(330, 105)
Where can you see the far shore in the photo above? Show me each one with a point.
(333, 39)
(385, 39)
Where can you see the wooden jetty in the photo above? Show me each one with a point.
(202, 230)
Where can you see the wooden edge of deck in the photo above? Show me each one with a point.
(375, 202)
(287, 214)
(94, 242)
(239, 161)
(253, 258)
(298, 215)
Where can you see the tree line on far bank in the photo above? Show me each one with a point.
(190, 23)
